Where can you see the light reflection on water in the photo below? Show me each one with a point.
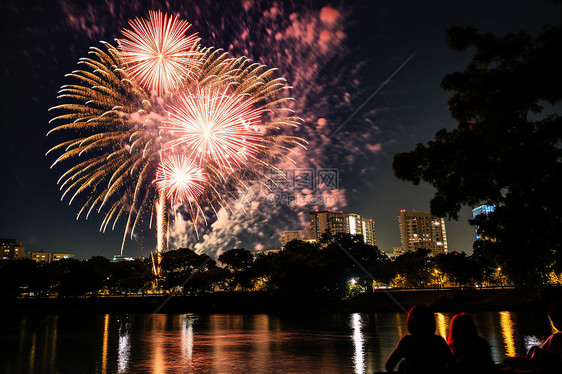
(507, 333)
(442, 324)
(357, 343)
(158, 341)
(104, 347)
(187, 337)
(353, 343)
(124, 346)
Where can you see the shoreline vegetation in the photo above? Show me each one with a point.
(303, 277)
(441, 300)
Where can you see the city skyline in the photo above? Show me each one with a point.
(369, 42)
(338, 222)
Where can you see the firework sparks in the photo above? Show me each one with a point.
(180, 179)
(136, 155)
(114, 157)
(157, 53)
(216, 126)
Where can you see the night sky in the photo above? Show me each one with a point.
(334, 54)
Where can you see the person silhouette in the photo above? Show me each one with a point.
(553, 344)
(471, 352)
(421, 351)
(548, 357)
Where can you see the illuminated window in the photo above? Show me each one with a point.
(352, 230)
(364, 228)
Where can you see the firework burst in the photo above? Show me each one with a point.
(134, 156)
(216, 127)
(157, 53)
(180, 179)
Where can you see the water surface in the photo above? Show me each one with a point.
(325, 343)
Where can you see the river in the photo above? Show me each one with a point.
(219, 343)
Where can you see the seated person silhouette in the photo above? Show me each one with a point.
(548, 357)
(553, 344)
(471, 352)
(421, 351)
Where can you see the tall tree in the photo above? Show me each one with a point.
(181, 264)
(458, 267)
(130, 276)
(415, 266)
(237, 259)
(505, 150)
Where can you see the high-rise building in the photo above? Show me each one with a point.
(482, 209)
(422, 230)
(286, 236)
(346, 223)
(11, 250)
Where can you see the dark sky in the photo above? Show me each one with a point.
(335, 54)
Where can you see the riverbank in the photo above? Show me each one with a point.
(450, 300)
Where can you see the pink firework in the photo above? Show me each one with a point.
(180, 179)
(157, 53)
(216, 126)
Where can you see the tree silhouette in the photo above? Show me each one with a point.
(238, 261)
(178, 265)
(415, 267)
(458, 267)
(16, 276)
(130, 276)
(81, 277)
(505, 150)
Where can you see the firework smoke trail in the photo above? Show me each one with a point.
(161, 225)
(124, 149)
